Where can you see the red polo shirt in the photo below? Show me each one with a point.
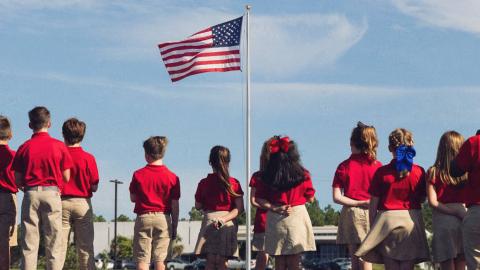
(354, 176)
(154, 186)
(212, 195)
(7, 175)
(397, 193)
(448, 193)
(298, 195)
(468, 160)
(261, 214)
(83, 175)
(42, 160)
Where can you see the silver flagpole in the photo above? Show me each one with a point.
(248, 254)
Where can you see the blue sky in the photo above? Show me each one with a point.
(317, 68)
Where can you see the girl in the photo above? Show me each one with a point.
(220, 198)
(445, 195)
(397, 191)
(353, 177)
(258, 243)
(284, 189)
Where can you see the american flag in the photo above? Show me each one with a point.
(215, 49)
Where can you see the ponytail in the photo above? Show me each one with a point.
(402, 139)
(219, 160)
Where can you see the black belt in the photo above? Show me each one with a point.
(41, 188)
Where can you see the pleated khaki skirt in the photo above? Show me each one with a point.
(398, 235)
(353, 225)
(221, 241)
(288, 235)
(447, 240)
(258, 242)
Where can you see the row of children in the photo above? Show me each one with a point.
(381, 219)
(393, 194)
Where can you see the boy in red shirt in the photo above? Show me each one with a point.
(155, 190)
(8, 199)
(41, 165)
(76, 206)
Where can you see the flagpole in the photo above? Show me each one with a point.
(248, 254)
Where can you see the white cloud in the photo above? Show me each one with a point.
(459, 15)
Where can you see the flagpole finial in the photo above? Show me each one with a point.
(248, 7)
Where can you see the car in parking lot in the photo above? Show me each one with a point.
(198, 264)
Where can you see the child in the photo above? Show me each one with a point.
(41, 165)
(284, 189)
(445, 195)
(353, 177)
(8, 199)
(77, 210)
(258, 242)
(155, 190)
(397, 237)
(468, 160)
(220, 198)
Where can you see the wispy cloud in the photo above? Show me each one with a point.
(459, 15)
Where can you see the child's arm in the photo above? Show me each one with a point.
(133, 197)
(66, 175)
(174, 216)
(434, 203)
(238, 209)
(283, 209)
(340, 199)
(372, 210)
(19, 179)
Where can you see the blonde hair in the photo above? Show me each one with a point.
(448, 148)
(155, 146)
(398, 137)
(364, 138)
(220, 160)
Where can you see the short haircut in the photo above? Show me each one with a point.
(39, 117)
(5, 129)
(155, 146)
(73, 131)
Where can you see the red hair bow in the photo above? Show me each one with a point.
(279, 144)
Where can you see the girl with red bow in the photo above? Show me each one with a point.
(350, 189)
(397, 237)
(284, 189)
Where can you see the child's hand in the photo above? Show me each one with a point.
(461, 213)
(285, 210)
(364, 204)
(219, 223)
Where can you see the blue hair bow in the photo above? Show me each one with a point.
(405, 156)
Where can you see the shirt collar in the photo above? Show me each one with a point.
(40, 134)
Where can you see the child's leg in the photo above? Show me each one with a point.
(460, 263)
(407, 265)
(293, 262)
(391, 264)
(210, 265)
(447, 265)
(160, 265)
(261, 260)
(280, 263)
(220, 262)
(142, 266)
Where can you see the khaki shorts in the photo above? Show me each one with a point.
(151, 238)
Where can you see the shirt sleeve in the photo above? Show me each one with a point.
(198, 193)
(18, 163)
(309, 190)
(340, 176)
(237, 187)
(253, 181)
(376, 187)
(66, 162)
(133, 186)
(421, 186)
(465, 157)
(93, 171)
(175, 191)
(260, 190)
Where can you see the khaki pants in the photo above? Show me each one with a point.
(471, 237)
(8, 237)
(77, 214)
(41, 207)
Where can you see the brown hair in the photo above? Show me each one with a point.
(5, 129)
(364, 138)
(155, 146)
(448, 148)
(39, 118)
(219, 160)
(265, 155)
(398, 137)
(73, 131)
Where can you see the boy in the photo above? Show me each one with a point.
(8, 199)
(76, 206)
(41, 165)
(155, 190)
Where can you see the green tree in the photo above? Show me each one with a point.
(317, 216)
(124, 247)
(195, 214)
(71, 260)
(122, 218)
(98, 218)
(331, 215)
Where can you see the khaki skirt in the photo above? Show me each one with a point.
(353, 225)
(398, 235)
(447, 235)
(288, 235)
(221, 242)
(258, 242)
